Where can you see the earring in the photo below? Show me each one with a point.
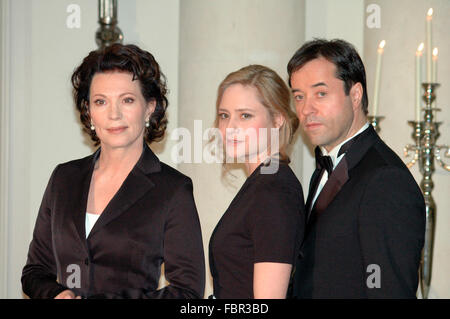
(147, 123)
(92, 126)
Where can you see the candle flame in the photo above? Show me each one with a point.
(430, 13)
(421, 46)
(382, 44)
(435, 52)
(420, 49)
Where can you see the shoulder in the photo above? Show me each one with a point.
(171, 183)
(278, 193)
(172, 176)
(384, 156)
(176, 189)
(389, 185)
(382, 164)
(392, 181)
(77, 163)
(73, 167)
(280, 189)
(283, 179)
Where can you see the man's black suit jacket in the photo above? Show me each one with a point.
(366, 228)
(151, 220)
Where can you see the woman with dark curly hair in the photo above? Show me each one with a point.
(108, 221)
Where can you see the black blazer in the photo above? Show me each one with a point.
(150, 220)
(370, 212)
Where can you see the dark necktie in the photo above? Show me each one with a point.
(323, 161)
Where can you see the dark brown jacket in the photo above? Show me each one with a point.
(151, 220)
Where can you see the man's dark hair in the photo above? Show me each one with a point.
(349, 66)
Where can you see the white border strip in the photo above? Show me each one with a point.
(4, 140)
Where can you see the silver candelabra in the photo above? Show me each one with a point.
(425, 152)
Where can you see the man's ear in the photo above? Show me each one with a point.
(356, 93)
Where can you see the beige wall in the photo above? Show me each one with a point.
(403, 28)
(196, 42)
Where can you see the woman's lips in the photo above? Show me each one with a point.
(116, 130)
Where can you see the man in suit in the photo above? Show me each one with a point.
(365, 212)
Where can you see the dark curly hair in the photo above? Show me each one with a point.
(124, 58)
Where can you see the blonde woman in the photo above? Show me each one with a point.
(254, 245)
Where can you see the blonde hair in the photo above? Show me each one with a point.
(273, 94)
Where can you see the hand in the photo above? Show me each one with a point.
(67, 294)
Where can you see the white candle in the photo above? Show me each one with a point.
(418, 80)
(377, 77)
(429, 44)
(434, 68)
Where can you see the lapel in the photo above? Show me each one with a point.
(342, 173)
(338, 178)
(312, 190)
(136, 185)
(80, 196)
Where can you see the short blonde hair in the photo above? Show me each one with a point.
(274, 95)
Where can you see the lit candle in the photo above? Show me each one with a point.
(434, 68)
(429, 43)
(418, 79)
(377, 77)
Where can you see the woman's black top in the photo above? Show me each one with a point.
(264, 223)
